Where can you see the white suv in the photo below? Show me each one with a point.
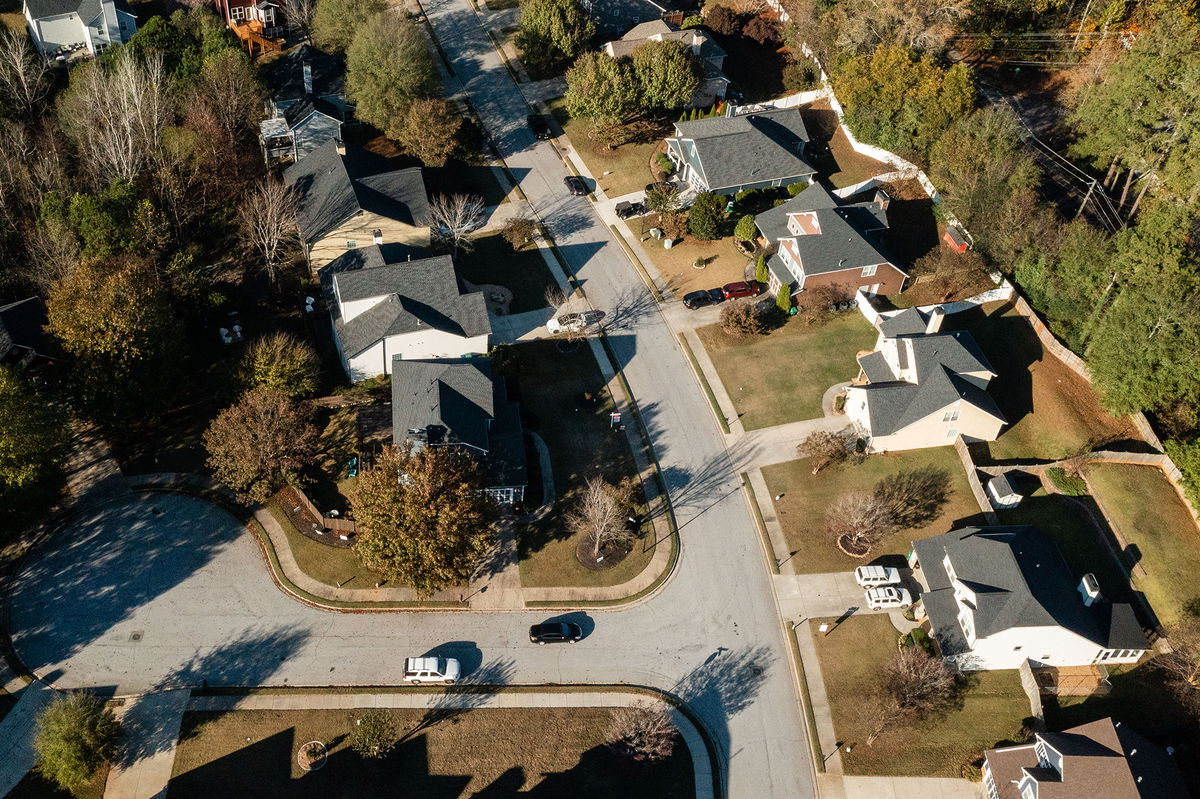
(419, 670)
(872, 576)
(888, 597)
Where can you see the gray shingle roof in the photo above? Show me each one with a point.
(284, 77)
(640, 34)
(416, 294)
(875, 367)
(22, 324)
(297, 112)
(1020, 580)
(846, 239)
(40, 9)
(753, 148)
(909, 322)
(334, 187)
(460, 401)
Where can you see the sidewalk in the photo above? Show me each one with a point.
(150, 726)
(16, 735)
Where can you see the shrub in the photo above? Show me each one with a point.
(76, 734)
(694, 21)
(761, 273)
(665, 163)
(795, 188)
(743, 320)
(1070, 484)
(722, 19)
(800, 76)
(705, 216)
(280, 362)
(743, 194)
(762, 30)
(783, 300)
(746, 229)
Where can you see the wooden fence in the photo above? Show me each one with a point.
(339, 526)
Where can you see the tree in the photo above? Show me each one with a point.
(858, 522)
(722, 19)
(951, 274)
(337, 23)
(24, 74)
(642, 732)
(706, 215)
(1068, 280)
(599, 514)
(260, 443)
(914, 497)
(916, 685)
(76, 735)
(113, 319)
(280, 362)
(602, 89)
(762, 274)
(453, 219)
(743, 320)
(746, 230)
(375, 733)
(662, 199)
(423, 518)
(553, 31)
(429, 130)
(267, 224)
(783, 299)
(817, 305)
(823, 449)
(862, 25)
(666, 73)
(762, 30)
(31, 433)
(519, 230)
(388, 65)
(230, 91)
(300, 14)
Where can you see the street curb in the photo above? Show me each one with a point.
(704, 384)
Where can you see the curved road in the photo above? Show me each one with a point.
(163, 589)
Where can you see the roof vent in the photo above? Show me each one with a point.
(1089, 590)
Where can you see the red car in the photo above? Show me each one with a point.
(733, 291)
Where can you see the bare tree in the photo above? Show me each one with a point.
(453, 218)
(858, 522)
(743, 320)
(1181, 666)
(519, 230)
(643, 732)
(600, 514)
(299, 14)
(24, 73)
(229, 89)
(916, 685)
(823, 449)
(554, 296)
(267, 224)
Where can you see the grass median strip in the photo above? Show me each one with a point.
(704, 384)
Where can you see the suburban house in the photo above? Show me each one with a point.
(922, 388)
(387, 303)
(60, 27)
(731, 154)
(307, 107)
(23, 338)
(257, 23)
(997, 597)
(1103, 759)
(821, 242)
(351, 198)
(459, 402)
(713, 83)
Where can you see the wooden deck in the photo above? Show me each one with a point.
(251, 34)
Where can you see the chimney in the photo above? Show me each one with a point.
(936, 317)
(1089, 589)
(340, 145)
(882, 199)
(306, 66)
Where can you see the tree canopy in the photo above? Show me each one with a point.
(666, 73)
(76, 734)
(280, 362)
(388, 65)
(553, 31)
(260, 443)
(337, 23)
(31, 433)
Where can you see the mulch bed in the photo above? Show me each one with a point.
(610, 554)
(854, 551)
(308, 525)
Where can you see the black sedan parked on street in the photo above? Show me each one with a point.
(575, 185)
(555, 632)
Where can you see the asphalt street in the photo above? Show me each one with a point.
(165, 590)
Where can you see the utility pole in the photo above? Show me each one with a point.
(1086, 197)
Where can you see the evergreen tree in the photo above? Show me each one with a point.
(705, 216)
(783, 300)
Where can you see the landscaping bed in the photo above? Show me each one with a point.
(551, 385)
(781, 377)
(628, 165)
(852, 658)
(1052, 412)
(548, 752)
(806, 498)
(523, 272)
(332, 565)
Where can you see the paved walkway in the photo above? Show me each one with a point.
(832, 787)
(16, 735)
(151, 730)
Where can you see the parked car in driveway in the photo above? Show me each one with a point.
(888, 597)
(574, 322)
(575, 185)
(873, 576)
(555, 632)
(742, 288)
(699, 299)
(430, 670)
(539, 126)
(628, 210)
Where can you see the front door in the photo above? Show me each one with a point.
(874, 288)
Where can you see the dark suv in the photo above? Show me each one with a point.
(555, 632)
(539, 126)
(699, 299)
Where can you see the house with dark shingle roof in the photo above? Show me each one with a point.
(61, 26)
(23, 336)
(820, 241)
(709, 55)
(459, 402)
(351, 198)
(922, 388)
(731, 154)
(997, 597)
(1103, 759)
(386, 302)
(307, 107)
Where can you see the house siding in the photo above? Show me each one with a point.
(419, 345)
(1042, 646)
(972, 423)
(360, 228)
(849, 281)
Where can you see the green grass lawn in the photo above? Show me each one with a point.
(806, 497)
(551, 752)
(524, 273)
(1052, 412)
(781, 377)
(852, 658)
(1151, 517)
(551, 384)
(325, 564)
(628, 165)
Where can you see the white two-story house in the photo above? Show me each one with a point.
(1000, 596)
(59, 27)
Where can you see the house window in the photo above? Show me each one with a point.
(952, 433)
(950, 416)
(237, 13)
(351, 244)
(869, 270)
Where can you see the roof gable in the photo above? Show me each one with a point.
(752, 148)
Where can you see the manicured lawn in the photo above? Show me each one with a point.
(628, 165)
(524, 273)
(551, 385)
(841, 166)
(807, 496)
(551, 752)
(1154, 522)
(721, 260)
(781, 377)
(1052, 412)
(852, 658)
(326, 564)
